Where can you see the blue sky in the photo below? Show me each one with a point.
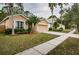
(41, 9)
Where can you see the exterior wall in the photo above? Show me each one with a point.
(42, 26)
(2, 28)
(8, 22)
(43, 22)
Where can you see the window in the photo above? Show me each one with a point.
(19, 24)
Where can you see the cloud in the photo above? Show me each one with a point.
(42, 9)
(39, 9)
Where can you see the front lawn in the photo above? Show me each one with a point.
(68, 47)
(63, 31)
(15, 44)
(66, 30)
(76, 32)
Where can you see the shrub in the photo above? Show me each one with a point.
(50, 29)
(29, 30)
(8, 31)
(20, 31)
(60, 29)
(17, 31)
(55, 25)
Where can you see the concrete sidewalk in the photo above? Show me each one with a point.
(44, 48)
(59, 33)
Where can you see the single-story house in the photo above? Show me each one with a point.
(19, 22)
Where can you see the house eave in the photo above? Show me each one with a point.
(13, 15)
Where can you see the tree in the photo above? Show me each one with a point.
(52, 17)
(67, 18)
(61, 11)
(10, 8)
(71, 16)
(34, 20)
(10, 5)
(21, 6)
(16, 9)
(75, 11)
(2, 15)
(52, 6)
(56, 24)
(29, 23)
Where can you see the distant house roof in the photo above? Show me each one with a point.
(10, 16)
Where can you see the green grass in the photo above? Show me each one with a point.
(68, 47)
(76, 32)
(14, 44)
(64, 31)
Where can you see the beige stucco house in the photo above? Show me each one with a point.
(19, 22)
(42, 26)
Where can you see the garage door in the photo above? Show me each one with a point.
(42, 28)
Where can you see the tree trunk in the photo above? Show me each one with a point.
(34, 28)
(13, 33)
(78, 27)
(61, 20)
(52, 18)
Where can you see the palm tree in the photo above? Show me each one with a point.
(31, 22)
(52, 6)
(35, 20)
(9, 7)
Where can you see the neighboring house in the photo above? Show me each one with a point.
(50, 22)
(60, 25)
(19, 22)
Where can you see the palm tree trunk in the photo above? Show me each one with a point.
(34, 28)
